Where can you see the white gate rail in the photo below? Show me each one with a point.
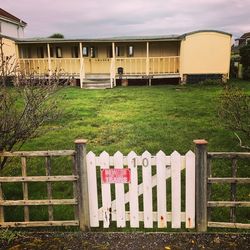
(166, 167)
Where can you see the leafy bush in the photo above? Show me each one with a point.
(245, 60)
(246, 73)
(211, 82)
(234, 111)
(7, 235)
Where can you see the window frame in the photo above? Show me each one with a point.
(59, 52)
(85, 51)
(128, 51)
(40, 52)
(93, 52)
(75, 51)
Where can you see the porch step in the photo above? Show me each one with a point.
(97, 76)
(96, 84)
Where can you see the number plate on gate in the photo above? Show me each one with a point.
(116, 175)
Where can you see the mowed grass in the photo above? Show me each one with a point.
(153, 118)
(138, 118)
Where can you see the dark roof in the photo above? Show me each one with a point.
(9, 16)
(115, 39)
(200, 31)
(110, 39)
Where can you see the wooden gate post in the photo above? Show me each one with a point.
(83, 195)
(201, 185)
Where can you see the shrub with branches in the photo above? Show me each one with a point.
(234, 111)
(26, 106)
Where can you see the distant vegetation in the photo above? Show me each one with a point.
(57, 35)
(245, 60)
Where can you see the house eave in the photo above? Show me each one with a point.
(20, 23)
(110, 40)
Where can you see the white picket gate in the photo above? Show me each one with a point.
(166, 167)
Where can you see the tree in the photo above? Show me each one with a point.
(25, 107)
(234, 111)
(245, 60)
(57, 35)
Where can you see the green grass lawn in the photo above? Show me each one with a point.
(153, 118)
(138, 118)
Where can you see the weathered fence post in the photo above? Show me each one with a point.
(201, 185)
(83, 196)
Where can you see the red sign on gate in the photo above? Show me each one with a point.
(116, 175)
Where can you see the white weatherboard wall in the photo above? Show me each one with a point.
(205, 53)
(166, 167)
(11, 29)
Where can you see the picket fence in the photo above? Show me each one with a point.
(167, 167)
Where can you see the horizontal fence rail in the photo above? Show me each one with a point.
(44, 66)
(132, 65)
(97, 65)
(76, 66)
(164, 65)
(50, 202)
(38, 153)
(233, 204)
(114, 209)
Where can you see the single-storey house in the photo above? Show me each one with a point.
(105, 62)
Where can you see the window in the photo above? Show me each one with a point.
(25, 52)
(119, 51)
(85, 51)
(58, 52)
(40, 52)
(93, 52)
(74, 52)
(130, 50)
(51, 49)
(109, 52)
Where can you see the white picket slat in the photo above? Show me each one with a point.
(106, 193)
(166, 167)
(119, 193)
(161, 189)
(133, 190)
(176, 189)
(147, 190)
(138, 160)
(141, 216)
(190, 190)
(154, 177)
(92, 189)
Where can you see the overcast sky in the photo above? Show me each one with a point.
(104, 18)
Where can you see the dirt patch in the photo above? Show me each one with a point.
(165, 241)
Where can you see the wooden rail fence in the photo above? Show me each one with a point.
(204, 181)
(95, 200)
(76, 178)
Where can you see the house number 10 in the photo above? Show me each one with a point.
(144, 162)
